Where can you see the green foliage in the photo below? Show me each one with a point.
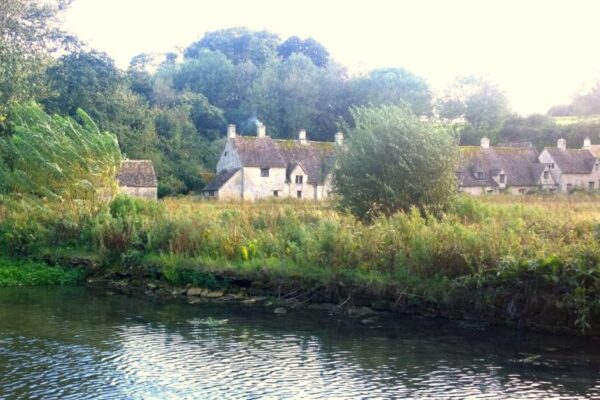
(393, 161)
(30, 273)
(477, 101)
(28, 35)
(56, 158)
(392, 86)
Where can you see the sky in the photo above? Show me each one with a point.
(540, 53)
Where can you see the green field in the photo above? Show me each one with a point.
(570, 120)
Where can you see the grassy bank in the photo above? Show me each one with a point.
(498, 258)
(31, 273)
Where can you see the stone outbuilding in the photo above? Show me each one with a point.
(137, 179)
(511, 168)
(257, 167)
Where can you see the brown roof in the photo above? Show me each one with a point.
(316, 158)
(220, 179)
(258, 152)
(572, 161)
(520, 165)
(137, 173)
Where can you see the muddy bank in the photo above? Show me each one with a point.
(518, 304)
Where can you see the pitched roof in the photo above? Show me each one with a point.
(572, 161)
(519, 164)
(316, 158)
(258, 152)
(221, 179)
(137, 173)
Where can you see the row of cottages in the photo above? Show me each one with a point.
(517, 168)
(256, 167)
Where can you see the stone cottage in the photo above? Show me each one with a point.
(137, 179)
(510, 168)
(573, 168)
(257, 167)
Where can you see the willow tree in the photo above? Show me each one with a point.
(394, 160)
(57, 159)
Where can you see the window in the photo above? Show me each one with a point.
(569, 187)
(551, 165)
(502, 178)
(264, 172)
(299, 179)
(225, 154)
(591, 185)
(211, 193)
(597, 166)
(546, 175)
(275, 193)
(299, 194)
(480, 176)
(522, 191)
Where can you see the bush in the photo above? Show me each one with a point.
(393, 161)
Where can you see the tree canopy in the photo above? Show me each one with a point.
(394, 160)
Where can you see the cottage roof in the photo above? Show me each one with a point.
(220, 179)
(519, 164)
(572, 161)
(137, 173)
(258, 152)
(316, 158)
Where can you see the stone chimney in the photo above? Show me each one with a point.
(485, 143)
(587, 142)
(561, 144)
(231, 130)
(261, 131)
(339, 138)
(302, 136)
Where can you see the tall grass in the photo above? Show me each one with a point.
(504, 240)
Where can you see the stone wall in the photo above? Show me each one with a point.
(150, 193)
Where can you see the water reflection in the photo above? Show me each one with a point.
(70, 343)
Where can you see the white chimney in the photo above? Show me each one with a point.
(587, 142)
(231, 130)
(561, 144)
(339, 138)
(302, 136)
(485, 143)
(260, 130)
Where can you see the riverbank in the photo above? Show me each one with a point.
(529, 263)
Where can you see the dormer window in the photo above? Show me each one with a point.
(264, 172)
(480, 176)
(502, 178)
(299, 179)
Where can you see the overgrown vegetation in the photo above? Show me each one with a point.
(32, 273)
(394, 161)
(547, 250)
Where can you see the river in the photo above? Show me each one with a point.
(78, 343)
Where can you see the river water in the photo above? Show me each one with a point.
(75, 343)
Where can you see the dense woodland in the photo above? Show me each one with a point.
(173, 108)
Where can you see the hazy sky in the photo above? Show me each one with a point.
(539, 52)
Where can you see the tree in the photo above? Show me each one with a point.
(239, 45)
(394, 160)
(56, 158)
(308, 47)
(479, 103)
(28, 35)
(392, 86)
